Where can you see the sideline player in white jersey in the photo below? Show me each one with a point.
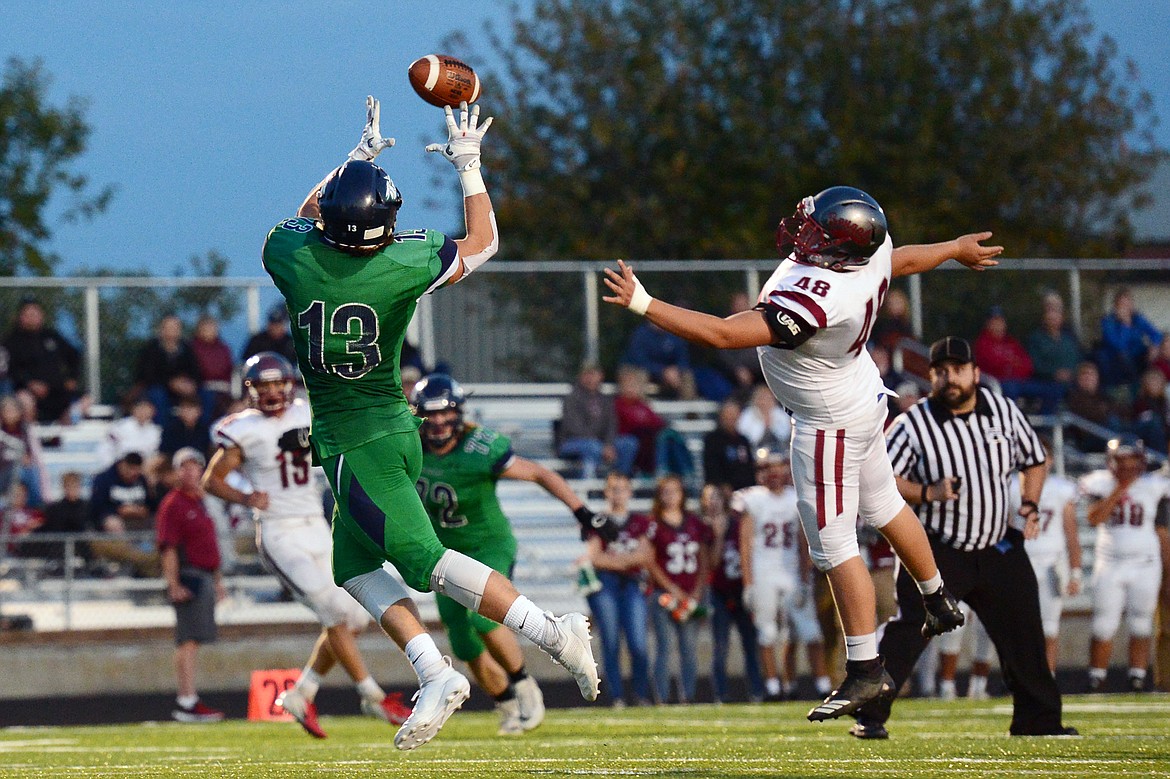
(1055, 554)
(1123, 502)
(776, 570)
(269, 444)
(810, 326)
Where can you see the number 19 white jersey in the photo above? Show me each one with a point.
(276, 458)
(829, 380)
(1129, 532)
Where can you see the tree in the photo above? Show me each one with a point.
(38, 146)
(685, 128)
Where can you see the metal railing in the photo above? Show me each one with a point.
(423, 327)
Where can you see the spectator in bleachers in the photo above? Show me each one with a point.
(167, 369)
(763, 423)
(1053, 347)
(619, 607)
(661, 449)
(728, 459)
(679, 573)
(70, 514)
(1128, 343)
(275, 337)
(1001, 356)
(909, 393)
(5, 379)
(727, 607)
(18, 519)
(893, 323)
(1087, 400)
(215, 367)
(20, 458)
(121, 502)
(410, 376)
(185, 428)
(43, 362)
(588, 428)
(665, 357)
(1150, 411)
(136, 432)
(740, 366)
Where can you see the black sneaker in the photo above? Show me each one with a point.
(1137, 683)
(1096, 683)
(942, 613)
(867, 729)
(865, 681)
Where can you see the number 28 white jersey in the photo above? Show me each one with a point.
(829, 380)
(1129, 532)
(276, 458)
(776, 525)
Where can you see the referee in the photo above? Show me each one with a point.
(953, 455)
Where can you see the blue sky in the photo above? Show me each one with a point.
(214, 119)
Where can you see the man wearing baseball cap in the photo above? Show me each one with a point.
(190, 563)
(952, 454)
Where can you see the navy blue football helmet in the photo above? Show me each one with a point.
(359, 206)
(269, 379)
(839, 228)
(433, 393)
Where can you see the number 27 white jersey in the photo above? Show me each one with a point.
(276, 458)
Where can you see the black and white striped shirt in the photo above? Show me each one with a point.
(983, 448)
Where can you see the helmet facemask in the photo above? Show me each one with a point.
(270, 397)
(441, 427)
(835, 230)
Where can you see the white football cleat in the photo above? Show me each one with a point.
(434, 703)
(510, 723)
(575, 652)
(531, 702)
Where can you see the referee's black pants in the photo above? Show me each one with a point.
(999, 585)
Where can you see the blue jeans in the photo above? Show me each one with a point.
(685, 635)
(620, 607)
(588, 451)
(725, 612)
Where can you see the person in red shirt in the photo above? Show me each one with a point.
(1001, 355)
(190, 564)
(636, 418)
(215, 367)
(679, 572)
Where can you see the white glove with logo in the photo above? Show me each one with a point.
(372, 143)
(463, 139)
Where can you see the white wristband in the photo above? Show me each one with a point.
(640, 300)
(472, 182)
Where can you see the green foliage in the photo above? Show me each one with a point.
(674, 129)
(39, 145)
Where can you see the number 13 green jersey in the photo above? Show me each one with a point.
(349, 317)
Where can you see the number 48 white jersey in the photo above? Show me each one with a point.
(829, 380)
(276, 458)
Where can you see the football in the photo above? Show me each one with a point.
(441, 80)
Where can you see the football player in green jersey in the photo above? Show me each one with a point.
(351, 284)
(462, 463)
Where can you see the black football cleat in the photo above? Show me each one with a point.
(866, 729)
(865, 681)
(942, 613)
(1137, 683)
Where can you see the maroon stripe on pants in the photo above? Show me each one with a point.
(839, 471)
(819, 477)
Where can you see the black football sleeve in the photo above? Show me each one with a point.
(789, 330)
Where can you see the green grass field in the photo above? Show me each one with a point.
(1124, 736)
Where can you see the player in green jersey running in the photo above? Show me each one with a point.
(351, 284)
(462, 463)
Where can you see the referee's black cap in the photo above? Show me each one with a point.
(950, 348)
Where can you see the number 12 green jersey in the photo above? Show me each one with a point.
(459, 491)
(349, 318)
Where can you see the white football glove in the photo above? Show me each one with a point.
(463, 139)
(372, 143)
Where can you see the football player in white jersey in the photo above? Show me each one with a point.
(1123, 502)
(776, 572)
(269, 444)
(810, 325)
